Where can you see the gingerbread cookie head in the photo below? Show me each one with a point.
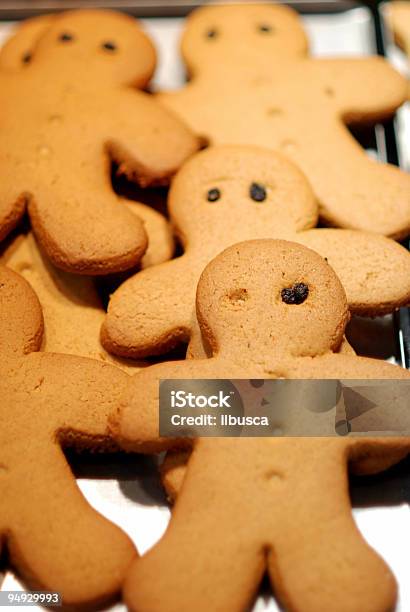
(244, 34)
(98, 45)
(226, 190)
(247, 303)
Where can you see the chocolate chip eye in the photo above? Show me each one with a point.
(65, 37)
(108, 45)
(26, 59)
(212, 33)
(265, 28)
(213, 195)
(296, 294)
(257, 192)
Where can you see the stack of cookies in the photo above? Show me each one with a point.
(240, 275)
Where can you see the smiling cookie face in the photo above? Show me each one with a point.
(266, 296)
(100, 45)
(240, 193)
(245, 33)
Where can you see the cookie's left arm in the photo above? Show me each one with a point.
(82, 393)
(374, 270)
(147, 141)
(362, 89)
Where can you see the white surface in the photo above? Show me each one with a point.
(131, 497)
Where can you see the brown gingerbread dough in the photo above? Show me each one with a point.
(248, 505)
(55, 539)
(252, 82)
(67, 113)
(227, 194)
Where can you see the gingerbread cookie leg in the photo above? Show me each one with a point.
(58, 541)
(148, 314)
(364, 263)
(208, 562)
(329, 567)
(82, 231)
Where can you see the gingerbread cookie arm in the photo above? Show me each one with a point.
(21, 318)
(150, 148)
(160, 239)
(135, 425)
(365, 89)
(370, 196)
(344, 366)
(374, 271)
(56, 539)
(148, 314)
(82, 391)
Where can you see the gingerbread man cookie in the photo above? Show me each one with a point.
(269, 309)
(55, 540)
(227, 194)
(253, 83)
(83, 112)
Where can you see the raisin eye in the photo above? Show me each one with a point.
(257, 192)
(26, 58)
(108, 45)
(213, 195)
(66, 37)
(212, 33)
(296, 294)
(265, 28)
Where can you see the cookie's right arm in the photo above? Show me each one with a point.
(147, 141)
(150, 313)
